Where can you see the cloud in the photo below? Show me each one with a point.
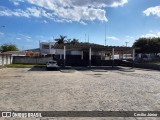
(151, 35)
(18, 38)
(1, 33)
(45, 21)
(65, 10)
(16, 2)
(112, 38)
(129, 37)
(152, 11)
(29, 12)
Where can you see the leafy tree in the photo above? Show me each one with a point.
(74, 41)
(61, 39)
(147, 45)
(8, 47)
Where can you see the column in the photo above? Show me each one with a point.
(6, 59)
(90, 56)
(82, 55)
(133, 57)
(112, 57)
(60, 56)
(2, 60)
(101, 55)
(64, 55)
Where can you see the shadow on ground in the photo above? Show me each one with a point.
(69, 69)
(43, 68)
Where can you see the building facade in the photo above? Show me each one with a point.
(47, 48)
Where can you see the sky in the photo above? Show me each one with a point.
(26, 22)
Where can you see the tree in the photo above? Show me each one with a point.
(61, 39)
(147, 45)
(74, 41)
(8, 47)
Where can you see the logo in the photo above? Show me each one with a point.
(6, 114)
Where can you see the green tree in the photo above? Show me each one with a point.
(74, 41)
(61, 39)
(147, 45)
(8, 47)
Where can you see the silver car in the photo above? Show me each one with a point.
(52, 64)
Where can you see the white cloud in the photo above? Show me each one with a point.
(16, 2)
(151, 35)
(112, 38)
(1, 33)
(18, 38)
(22, 37)
(45, 21)
(66, 10)
(129, 37)
(152, 11)
(83, 23)
(29, 12)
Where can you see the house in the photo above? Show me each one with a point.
(16, 53)
(23, 53)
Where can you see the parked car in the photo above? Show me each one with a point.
(52, 64)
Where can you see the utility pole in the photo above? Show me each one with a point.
(126, 43)
(105, 34)
(85, 37)
(88, 38)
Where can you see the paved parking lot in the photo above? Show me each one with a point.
(24, 89)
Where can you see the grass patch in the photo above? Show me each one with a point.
(23, 66)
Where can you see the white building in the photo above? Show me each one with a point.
(5, 59)
(47, 48)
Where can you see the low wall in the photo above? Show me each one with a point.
(30, 60)
(74, 61)
(148, 66)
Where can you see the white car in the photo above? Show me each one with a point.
(52, 64)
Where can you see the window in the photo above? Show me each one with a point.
(45, 46)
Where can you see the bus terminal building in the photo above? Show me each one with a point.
(87, 54)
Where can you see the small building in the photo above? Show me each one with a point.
(5, 59)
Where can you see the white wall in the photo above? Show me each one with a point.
(48, 50)
(59, 51)
(76, 52)
(5, 60)
(0, 60)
